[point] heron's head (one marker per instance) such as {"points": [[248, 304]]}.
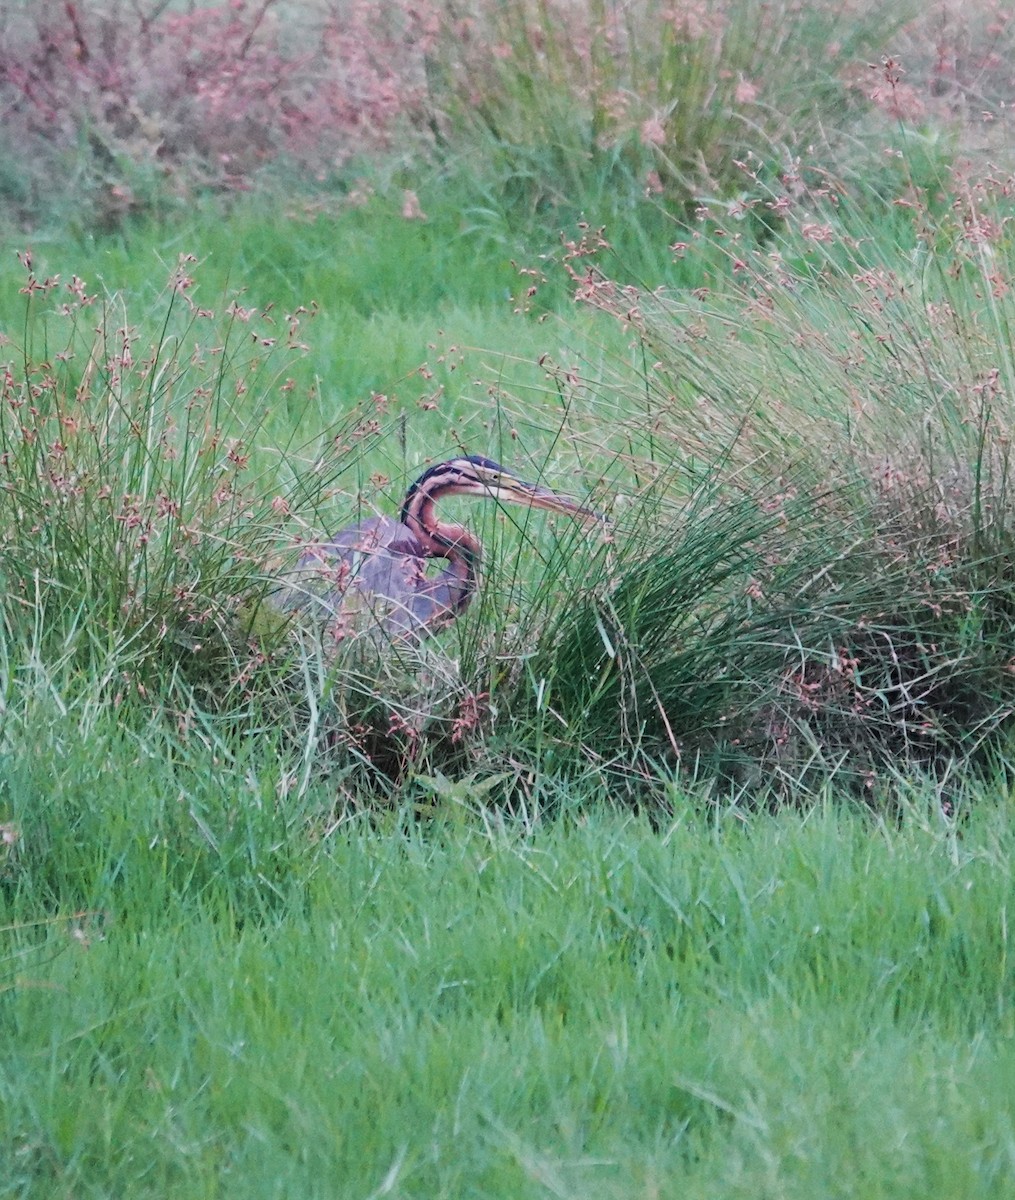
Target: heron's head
{"points": [[478, 476]]}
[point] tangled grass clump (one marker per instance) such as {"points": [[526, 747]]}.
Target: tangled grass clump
{"points": [[838, 594], [142, 509], [808, 573], [152, 493]]}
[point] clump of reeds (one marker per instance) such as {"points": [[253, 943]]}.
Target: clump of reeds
{"points": [[144, 509], [826, 585]]}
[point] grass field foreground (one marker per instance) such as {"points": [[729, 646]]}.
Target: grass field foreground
{"points": [[798, 1006]]}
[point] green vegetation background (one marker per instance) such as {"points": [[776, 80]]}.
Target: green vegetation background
{"points": [[681, 866]]}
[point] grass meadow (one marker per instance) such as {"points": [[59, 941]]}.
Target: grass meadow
{"points": [[679, 865]]}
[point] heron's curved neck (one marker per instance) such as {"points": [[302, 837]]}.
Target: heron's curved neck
{"points": [[444, 540]]}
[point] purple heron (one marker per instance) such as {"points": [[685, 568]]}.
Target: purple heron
{"points": [[379, 566]]}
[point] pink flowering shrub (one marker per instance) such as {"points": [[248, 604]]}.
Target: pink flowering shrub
{"points": [[203, 96]]}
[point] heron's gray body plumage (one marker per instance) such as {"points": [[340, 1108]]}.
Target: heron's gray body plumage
{"points": [[377, 573]]}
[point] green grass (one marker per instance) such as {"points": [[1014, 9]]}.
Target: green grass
{"points": [[665, 872], [793, 1006], [394, 297]]}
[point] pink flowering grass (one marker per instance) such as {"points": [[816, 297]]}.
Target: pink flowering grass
{"points": [[813, 575], [662, 99], [120, 108], [143, 509]]}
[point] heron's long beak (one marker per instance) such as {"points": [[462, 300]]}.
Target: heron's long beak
{"points": [[515, 491]]}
